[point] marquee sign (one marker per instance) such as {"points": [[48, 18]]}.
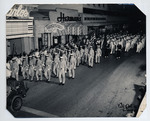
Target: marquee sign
{"points": [[18, 12], [52, 28]]}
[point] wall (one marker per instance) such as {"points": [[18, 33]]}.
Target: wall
{"points": [[28, 44], [39, 26], [90, 18], [78, 7], [67, 12], [17, 44], [96, 6]]}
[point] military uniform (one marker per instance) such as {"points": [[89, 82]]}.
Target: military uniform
{"points": [[81, 54], [25, 69], [78, 57], [112, 46], [65, 60], [91, 57], [15, 69], [85, 54], [48, 67], [72, 67], [128, 45], [39, 67], [8, 70], [74, 56], [62, 65], [98, 55], [55, 66], [43, 58], [34, 60], [31, 67]]}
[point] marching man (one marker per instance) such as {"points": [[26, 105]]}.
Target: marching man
{"points": [[48, 67], [15, 69], [62, 66], [72, 67], [55, 67], [77, 57], [91, 56], [112, 46], [98, 54], [31, 68], [82, 54], [65, 60], [86, 54], [127, 47], [39, 66], [25, 69]]}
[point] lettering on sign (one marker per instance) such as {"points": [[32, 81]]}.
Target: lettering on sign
{"points": [[63, 18], [19, 12]]}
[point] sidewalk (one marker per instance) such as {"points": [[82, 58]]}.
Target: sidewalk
{"points": [[142, 107]]}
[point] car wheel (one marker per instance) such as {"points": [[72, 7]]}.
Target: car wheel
{"points": [[16, 103]]}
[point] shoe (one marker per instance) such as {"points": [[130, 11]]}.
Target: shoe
{"points": [[60, 83], [63, 84]]}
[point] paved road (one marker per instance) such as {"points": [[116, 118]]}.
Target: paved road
{"points": [[95, 92]]}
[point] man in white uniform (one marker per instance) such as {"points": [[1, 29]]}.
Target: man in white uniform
{"points": [[98, 55], [62, 66], [91, 56]]}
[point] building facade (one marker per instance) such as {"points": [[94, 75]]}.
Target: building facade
{"points": [[49, 25], [19, 31], [57, 27]]}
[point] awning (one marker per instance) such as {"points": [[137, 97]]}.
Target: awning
{"points": [[66, 29]]}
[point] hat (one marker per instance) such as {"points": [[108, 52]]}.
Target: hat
{"points": [[23, 57], [30, 56], [46, 55], [61, 57], [37, 56], [14, 58]]}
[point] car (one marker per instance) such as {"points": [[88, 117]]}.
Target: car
{"points": [[16, 91]]}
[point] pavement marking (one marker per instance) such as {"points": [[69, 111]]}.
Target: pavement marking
{"points": [[37, 112]]}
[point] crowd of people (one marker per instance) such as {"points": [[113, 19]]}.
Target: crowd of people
{"points": [[66, 58]]}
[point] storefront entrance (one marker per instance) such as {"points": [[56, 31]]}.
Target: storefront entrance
{"points": [[56, 40]]}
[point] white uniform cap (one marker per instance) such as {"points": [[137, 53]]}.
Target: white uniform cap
{"points": [[14, 58]]}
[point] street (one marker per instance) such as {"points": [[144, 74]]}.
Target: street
{"points": [[95, 92]]}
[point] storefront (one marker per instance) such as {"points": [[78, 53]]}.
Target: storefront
{"points": [[19, 31], [63, 26]]}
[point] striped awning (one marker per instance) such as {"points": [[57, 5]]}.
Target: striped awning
{"points": [[68, 29]]}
